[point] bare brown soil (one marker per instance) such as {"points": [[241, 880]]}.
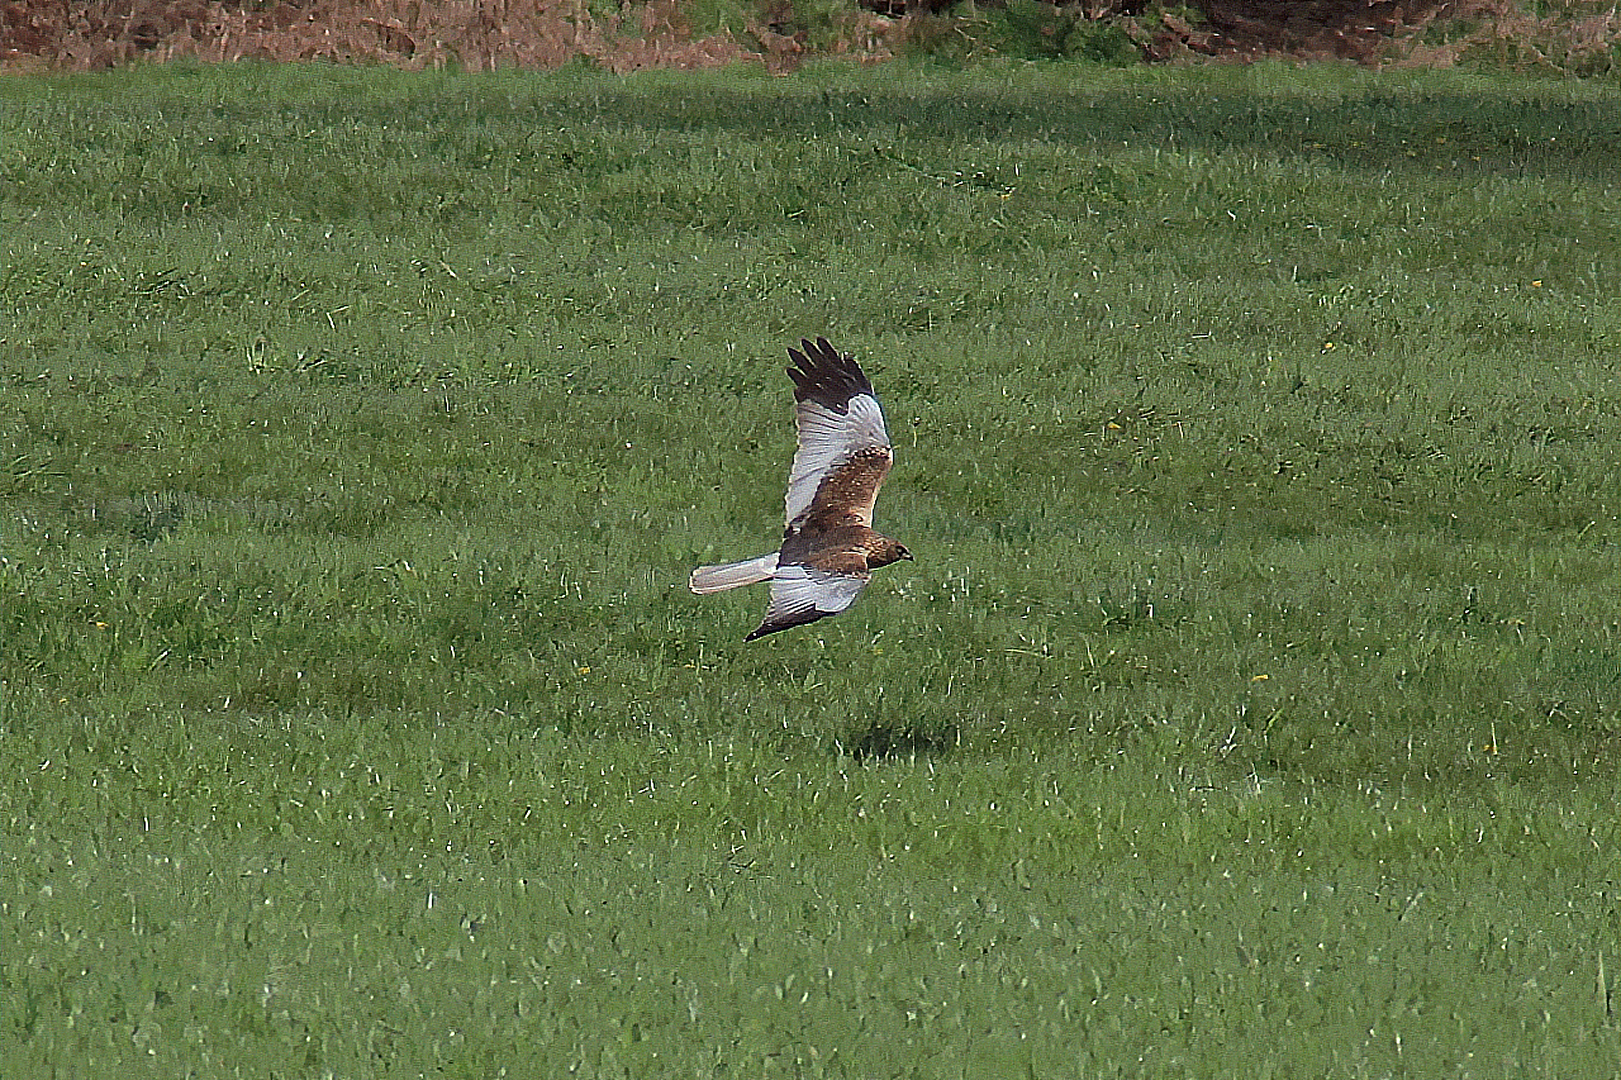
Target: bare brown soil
{"points": [[481, 35], [1569, 37], [476, 35]]}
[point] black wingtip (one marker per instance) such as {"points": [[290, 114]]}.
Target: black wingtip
{"points": [[767, 628], [824, 375], [777, 627]]}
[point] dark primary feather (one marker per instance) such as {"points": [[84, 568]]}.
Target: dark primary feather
{"points": [[824, 376], [776, 623]]}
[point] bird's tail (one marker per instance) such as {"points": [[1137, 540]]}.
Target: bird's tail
{"points": [[708, 579]]}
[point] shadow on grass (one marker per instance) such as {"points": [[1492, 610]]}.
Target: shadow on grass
{"points": [[1365, 129], [898, 742]]}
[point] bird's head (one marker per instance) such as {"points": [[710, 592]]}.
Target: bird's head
{"points": [[886, 551]]}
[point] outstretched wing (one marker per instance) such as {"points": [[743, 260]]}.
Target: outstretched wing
{"points": [[844, 453], [802, 594]]}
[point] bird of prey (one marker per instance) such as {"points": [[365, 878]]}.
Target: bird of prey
{"points": [[829, 548]]}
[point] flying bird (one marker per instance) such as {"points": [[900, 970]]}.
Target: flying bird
{"points": [[829, 548]]}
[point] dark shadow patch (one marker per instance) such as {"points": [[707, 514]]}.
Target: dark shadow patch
{"points": [[890, 742], [155, 517]]}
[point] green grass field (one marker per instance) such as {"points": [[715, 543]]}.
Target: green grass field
{"points": [[1253, 707]]}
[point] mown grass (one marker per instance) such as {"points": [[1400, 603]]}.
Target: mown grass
{"points": [[1251, 708]]}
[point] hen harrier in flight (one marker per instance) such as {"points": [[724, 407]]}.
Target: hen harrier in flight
{"points": [[829, 547]]}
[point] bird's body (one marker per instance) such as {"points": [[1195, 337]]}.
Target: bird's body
{"points": [[829, 547]]}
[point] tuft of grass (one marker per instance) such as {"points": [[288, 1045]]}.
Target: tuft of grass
{"points": [[1252, 705]]}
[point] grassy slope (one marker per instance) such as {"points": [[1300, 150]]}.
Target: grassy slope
{"points": [[1256, 435]]}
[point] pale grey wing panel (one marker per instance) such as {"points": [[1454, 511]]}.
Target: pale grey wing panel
{"points": [[828, 439], [800, 594]]}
